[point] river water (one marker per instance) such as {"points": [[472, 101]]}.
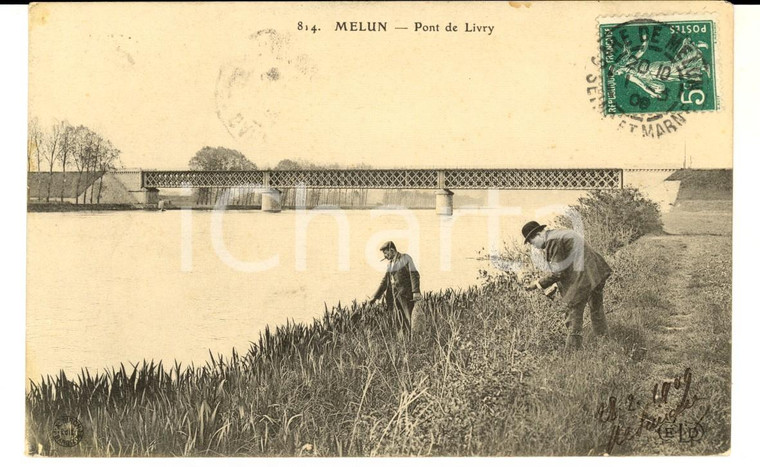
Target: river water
{"points": [[110, 287]]}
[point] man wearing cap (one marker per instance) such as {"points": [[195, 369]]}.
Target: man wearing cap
{"points": [[400, 284], [579, 272]]}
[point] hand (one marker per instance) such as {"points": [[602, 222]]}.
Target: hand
{"points": [[534, 285], [416, 297]]}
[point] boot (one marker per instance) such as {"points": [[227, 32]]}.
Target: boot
{"points": [[599, 324], [573, 343]]}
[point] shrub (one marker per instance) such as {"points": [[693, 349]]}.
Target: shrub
{"points": [[608, 220], [612, 219]]}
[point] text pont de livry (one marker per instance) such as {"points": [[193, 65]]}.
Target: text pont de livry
{"points": [[382, 26]]}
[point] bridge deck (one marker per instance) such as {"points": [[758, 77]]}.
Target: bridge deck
{"points": [[472, 179]]}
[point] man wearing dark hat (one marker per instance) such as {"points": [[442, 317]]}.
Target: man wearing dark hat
{"points": [[400, 285], [579, 272]]}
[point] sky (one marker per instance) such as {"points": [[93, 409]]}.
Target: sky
{"points": [[163, 80]]}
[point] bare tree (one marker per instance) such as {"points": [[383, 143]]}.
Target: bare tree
{"points": [[33, 143], [64, 144], [96, 142], [81, 154], [34, 150], [106, 161], [67, 146], [52, 144]]}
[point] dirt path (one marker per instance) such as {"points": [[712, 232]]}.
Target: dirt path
{"points": [[694, 340]]}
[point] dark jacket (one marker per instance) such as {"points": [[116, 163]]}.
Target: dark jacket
{"points": [[575, 266], [401, 279]]}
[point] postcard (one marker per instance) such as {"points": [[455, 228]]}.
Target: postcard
{"points": [[377, 229]]}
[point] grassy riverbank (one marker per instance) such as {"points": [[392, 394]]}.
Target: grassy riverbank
{"points": [[489, 379]]}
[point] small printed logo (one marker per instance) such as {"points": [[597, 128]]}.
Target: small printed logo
{"points": [[67, 431], [682, 432]]}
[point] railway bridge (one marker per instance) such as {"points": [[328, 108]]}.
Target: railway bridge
{"points": [[269, 182]]}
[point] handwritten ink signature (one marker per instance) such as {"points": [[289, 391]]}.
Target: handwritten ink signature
{"points": [[631, 418]]}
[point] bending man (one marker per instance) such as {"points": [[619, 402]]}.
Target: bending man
{"points": [[579, 272]]}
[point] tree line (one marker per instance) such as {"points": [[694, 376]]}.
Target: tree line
{"points": [[70, 149], [221, 158]]}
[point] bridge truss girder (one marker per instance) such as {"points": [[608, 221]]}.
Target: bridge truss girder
{"points": [[462, 179]]}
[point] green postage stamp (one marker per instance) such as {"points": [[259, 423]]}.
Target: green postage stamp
{"points": [[651, 66]]}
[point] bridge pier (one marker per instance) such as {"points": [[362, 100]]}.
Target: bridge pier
{"points": [[150, 196], [270, 200], [444, 202]]}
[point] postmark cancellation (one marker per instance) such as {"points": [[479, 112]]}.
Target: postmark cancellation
{"points": [[67, 431]]}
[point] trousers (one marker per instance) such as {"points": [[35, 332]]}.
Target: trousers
{"points": [[574, 318], [403, 312]]}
